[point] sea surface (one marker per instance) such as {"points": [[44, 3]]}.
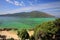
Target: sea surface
{"points": [[17, 22]]}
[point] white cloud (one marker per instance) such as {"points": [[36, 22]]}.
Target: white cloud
{"points": [[22, 3], [17, 3], [41, 6], [9, 1]]}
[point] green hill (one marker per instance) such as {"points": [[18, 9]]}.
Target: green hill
{"points": [[33, 14]]}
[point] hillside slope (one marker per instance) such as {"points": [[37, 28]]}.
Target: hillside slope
{"points": [[33, 14]]}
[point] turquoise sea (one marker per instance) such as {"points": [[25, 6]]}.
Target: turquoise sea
{"points": [[17, 22]]}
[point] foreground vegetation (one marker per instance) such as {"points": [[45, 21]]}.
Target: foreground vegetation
{"points": [[45, 31]]}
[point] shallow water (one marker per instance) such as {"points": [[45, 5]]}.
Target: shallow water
{"points": [[17, 22]]}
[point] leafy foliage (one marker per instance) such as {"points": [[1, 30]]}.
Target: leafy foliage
{"points": [[32, 38], [11, 39], [57, 22], [47, 29], [23, 34]]}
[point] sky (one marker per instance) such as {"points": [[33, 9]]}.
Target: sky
{"points": [[14, 6]]}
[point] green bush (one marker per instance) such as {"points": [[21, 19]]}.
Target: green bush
{"points": [[10, 39], [46, 29], [57, 22], [23, 34], [32, 38]]}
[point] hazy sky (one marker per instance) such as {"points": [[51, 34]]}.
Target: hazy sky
{"points": [[14, 6]]}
